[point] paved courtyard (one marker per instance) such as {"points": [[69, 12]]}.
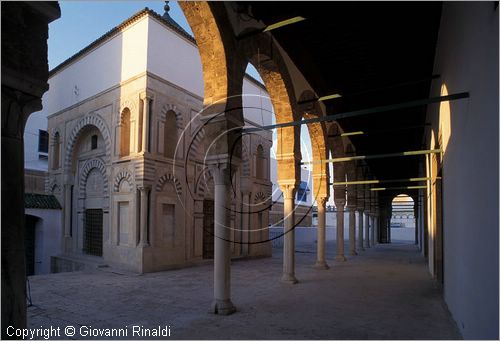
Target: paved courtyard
{"points": [[384, 293]]}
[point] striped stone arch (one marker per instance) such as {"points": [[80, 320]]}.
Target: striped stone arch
{"points": [[52, 186], [245, 160], [89, 166], [169, 178], [123, 175], [178, 115], [196, 150], [89, 120], [204, 179], [131, 105]]}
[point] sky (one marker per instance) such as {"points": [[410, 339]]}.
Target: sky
{"points": [[82, 22]]}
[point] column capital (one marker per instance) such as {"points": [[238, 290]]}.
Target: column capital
{"points": [[322, 201], [146, 94], [360, 209], [144, 188], [339, 203], [288, 189]]}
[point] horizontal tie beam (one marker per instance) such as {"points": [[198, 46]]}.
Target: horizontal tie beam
{"points": [[394, 188], [376, 156], [369, 111], [370, 182]]}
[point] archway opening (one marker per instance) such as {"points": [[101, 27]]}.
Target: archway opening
{"points": [[402, 219]]}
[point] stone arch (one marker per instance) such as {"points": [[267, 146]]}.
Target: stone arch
{"points": [[245, 159], [123, 175], [319, 146], [179, 119], [262, 52], [203, 187], [87, 168], [126, 104], [197, 146], [222, 68], [53, 186], [89, 120], [166, 178]]}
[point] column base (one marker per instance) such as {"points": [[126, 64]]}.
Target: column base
{"points": [[289, 278], [353, 253], [321, 266], [340, 258], [223, 307], [143, 245]]}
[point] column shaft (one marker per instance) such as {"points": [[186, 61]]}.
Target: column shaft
{"points": [[360, 231], [144, 216], [145, 125], [372, 231], [366, 242], [289, 237], [222, 251], [321, 245], [340, 234], [352, 232], [245, 223]]}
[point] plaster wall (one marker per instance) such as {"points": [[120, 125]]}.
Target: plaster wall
{"points": [[117, 59], [467, 130], [48, 236], [37, 121]]}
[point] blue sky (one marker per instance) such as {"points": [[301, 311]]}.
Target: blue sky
{"points": [[82, 22]]}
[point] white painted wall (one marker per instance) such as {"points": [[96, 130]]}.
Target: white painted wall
{"points": [[467, 60], [116, 60], [174, 58], [48, 235], [37, 121]]}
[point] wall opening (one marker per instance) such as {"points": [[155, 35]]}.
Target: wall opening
{"points": [[402, 220]]}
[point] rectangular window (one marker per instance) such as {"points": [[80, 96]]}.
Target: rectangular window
{"points": [[93, 142], [43, 141]]}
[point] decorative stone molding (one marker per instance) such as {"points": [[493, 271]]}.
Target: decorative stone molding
{"points": [[89, 120], [179, 118], [87, 167], [123, 175], [166, 178]]}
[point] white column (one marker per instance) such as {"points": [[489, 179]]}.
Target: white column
{"points": [[339, 204], [366, 242], [144, 216], [372, 230], [352, 231], [360, 230], [321, 247], [222, 251], [145, 123], [289, 231]]}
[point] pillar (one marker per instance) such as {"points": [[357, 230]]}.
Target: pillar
{"points": [[339, 204], [352, 230], [24, 81], [372, 230], [222, 247], [245, 223], [289, 231], [144, 190], [145, 122], [321, 245], [360, 229], [366, 242]]}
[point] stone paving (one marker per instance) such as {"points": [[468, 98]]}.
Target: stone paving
{"points": [[383, 293]]}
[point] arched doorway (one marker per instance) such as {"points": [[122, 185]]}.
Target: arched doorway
{"points": [[402, 223]]}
